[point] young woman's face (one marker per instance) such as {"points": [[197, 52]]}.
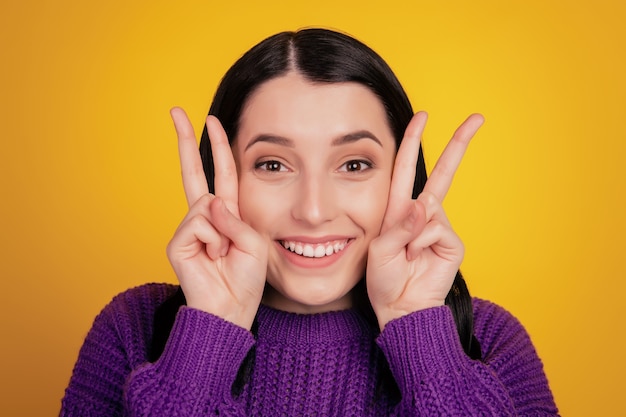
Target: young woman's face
{"points": [[314, 164]]}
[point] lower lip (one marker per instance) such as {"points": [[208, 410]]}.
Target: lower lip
{"points": [[305, 262]]}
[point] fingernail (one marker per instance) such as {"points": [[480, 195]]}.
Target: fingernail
{"points": [[219, 202], [411, 218], [223, 207]]}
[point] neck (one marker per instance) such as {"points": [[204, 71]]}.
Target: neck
{"points": [[274, 299]]}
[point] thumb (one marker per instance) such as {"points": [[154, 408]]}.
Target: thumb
{"points": [[236, 231], [396, 239]]}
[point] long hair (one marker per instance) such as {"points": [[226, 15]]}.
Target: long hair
{"points": [[325, 56]]}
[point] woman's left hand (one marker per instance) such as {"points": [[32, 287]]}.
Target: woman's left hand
{"points": [[412, 264]]}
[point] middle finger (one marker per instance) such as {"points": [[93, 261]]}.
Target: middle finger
{"points": [[441, 177], [226, 183]]}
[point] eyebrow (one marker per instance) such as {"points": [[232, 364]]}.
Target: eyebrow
{"points": [[278, 140], [342, 140], [355, 136]]}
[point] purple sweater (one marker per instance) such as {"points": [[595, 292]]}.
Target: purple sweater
{"points": [[304, 365]]}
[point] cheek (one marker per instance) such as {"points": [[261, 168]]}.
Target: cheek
{"points": [[368, 205], [258, 207], [267, 208]]}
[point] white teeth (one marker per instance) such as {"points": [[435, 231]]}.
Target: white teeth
{"points": [[320, 251], [315, 251]]}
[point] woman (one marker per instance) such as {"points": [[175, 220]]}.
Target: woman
{"points": [[318, 271]]}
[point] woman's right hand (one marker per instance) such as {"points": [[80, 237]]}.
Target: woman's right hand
{"points": [[220, 261]]}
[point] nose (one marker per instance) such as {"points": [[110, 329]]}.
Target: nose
{"points": [[315, 201]]}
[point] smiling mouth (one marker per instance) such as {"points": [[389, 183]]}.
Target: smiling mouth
{"points": [[316, 250]]}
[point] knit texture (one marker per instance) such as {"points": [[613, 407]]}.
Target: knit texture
{"points": [[325, 364]]}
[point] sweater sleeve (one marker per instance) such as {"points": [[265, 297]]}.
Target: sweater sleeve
{"points": [[196, 371], [116, 342], [436, 377], [193, 376]]}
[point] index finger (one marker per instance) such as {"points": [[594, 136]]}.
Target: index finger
{"points": [[404, 168], [226, 183], [441, 177], [194, 180]]}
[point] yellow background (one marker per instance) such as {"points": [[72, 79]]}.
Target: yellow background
{"points": [[91, 191]]}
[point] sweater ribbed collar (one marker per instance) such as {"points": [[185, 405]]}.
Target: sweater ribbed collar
{"points": [[321, 328]]}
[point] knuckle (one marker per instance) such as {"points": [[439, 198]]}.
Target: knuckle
{"points": [[169, 249], [200, 204], [428, 199], [438, 227], [197, 221], [205, 198], [172, 250], [191, 170]]}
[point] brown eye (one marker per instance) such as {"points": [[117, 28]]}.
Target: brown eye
{"points": [[355, 166], [270, 166]]}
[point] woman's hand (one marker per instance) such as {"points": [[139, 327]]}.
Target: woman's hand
{"points": [[220, 261], [412, 264]]}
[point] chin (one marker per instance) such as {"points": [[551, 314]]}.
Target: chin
{"points": [[307, 299]]}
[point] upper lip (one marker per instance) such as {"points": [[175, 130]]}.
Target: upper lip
{"points": [[314, 240]]}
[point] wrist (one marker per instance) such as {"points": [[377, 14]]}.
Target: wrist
{"points": [[242, 316], [397, 310]]}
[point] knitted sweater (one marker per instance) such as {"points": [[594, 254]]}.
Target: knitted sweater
{"points": [[325, 364]]}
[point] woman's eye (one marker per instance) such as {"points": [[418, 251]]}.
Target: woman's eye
{"points": [[355, 166], [270, 166]]}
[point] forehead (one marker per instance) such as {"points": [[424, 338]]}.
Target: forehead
{"points": [[293, 106]]}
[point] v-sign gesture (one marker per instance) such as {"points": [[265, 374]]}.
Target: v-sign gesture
{"points": [[412, 264], [219, 260]]}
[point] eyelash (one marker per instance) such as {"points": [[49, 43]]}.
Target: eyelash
{"points": [[364, 165], [265, 166]]}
